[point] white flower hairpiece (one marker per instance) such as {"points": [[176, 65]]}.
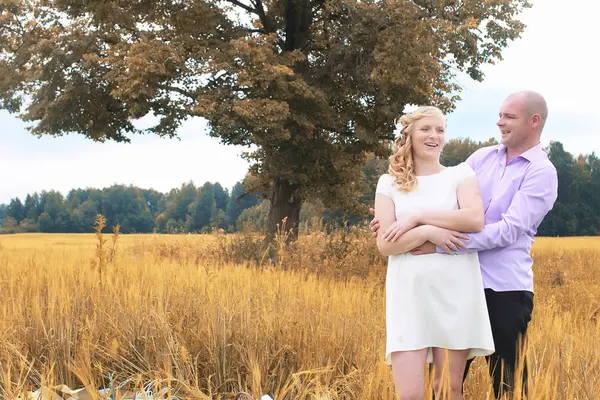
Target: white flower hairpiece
{"points": [[410, 108], [398, 129]]}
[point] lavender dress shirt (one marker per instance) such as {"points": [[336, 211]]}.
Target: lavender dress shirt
{"points": [[516, 197]]}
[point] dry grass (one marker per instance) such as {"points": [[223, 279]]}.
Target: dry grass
{"points": [[194, 315]]}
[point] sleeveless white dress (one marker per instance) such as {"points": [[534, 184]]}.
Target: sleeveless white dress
{"points": [[434, 300]]}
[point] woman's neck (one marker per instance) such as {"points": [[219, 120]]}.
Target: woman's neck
{"points": [[426, 167]]}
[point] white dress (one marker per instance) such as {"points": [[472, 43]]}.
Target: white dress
{"points": [[434, 300]]}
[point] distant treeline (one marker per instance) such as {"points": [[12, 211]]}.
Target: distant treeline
{"points": [[187, 209], [202, 209]]}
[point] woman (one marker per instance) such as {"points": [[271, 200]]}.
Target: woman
{"points": [[435, 304]]}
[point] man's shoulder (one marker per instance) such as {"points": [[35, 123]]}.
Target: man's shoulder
{"points": [[483, 151], [544, 162], [541, 172], [542, 165], [480, 154]]}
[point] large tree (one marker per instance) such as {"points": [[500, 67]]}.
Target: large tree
{"points": [[313, 85]]}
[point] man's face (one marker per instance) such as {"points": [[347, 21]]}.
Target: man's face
{"points": [[514, 122]]}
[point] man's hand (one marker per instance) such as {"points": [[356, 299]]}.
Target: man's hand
{"points": [[450, 241], [425, 248], [374, 225]]}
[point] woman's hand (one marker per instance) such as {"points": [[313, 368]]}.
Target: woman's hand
{"points": [[400, 227], [447, 240]]}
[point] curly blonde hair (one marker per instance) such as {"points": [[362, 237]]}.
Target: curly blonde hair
{"points": [[402, 165]]}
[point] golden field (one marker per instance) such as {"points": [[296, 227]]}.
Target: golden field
{"points": [[206, 316]]}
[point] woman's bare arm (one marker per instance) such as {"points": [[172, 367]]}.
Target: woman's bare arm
{"points": [[386, 214]]}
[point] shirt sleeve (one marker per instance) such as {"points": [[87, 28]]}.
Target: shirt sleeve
{"points": [[470, 161], [534, 199], [465, 171], [384, 185]]}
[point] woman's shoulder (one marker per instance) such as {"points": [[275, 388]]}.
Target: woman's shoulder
{"points": [[462, 170], [460, 166], [386, 176], [386, 180], [386, 184]]}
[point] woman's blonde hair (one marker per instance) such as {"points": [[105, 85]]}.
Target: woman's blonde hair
{"points": [[402, 165]]}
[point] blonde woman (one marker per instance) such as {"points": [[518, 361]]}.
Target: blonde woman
{"points": [[435, 304]]}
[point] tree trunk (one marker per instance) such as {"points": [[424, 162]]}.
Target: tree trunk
{"points": [[284, 213]]}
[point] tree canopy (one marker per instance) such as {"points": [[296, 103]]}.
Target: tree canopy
{"points": [[313, 85]]}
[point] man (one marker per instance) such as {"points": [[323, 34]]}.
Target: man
{"points": [[518, 186]]}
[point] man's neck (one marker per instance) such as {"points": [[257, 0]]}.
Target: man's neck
{"points": [[517, 151]]}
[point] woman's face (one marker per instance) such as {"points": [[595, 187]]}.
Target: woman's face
{"points": [[428, 137]]}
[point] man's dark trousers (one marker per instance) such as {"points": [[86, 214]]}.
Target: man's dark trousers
{"points": [[510, 313]]}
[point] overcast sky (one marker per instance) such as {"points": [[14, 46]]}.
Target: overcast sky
{"points": [[553, 57]]}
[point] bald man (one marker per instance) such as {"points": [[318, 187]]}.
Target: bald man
{"points": [[518, 186]]}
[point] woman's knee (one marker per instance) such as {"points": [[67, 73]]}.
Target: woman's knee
{"points": [[452, 385], [412, 395], [413, 391], [456, 383]]}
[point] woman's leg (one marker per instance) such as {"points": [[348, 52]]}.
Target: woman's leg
{"points": [[408, 368], [449, 369]]}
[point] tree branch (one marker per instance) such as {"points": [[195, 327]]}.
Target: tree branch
{"points": [[178, 90], [19, 22], [242, 5], [241, 196], [213, 81], [260, 11], [258, 31]]}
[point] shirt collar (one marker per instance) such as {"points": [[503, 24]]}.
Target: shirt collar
{"points": [[533, 154]]}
